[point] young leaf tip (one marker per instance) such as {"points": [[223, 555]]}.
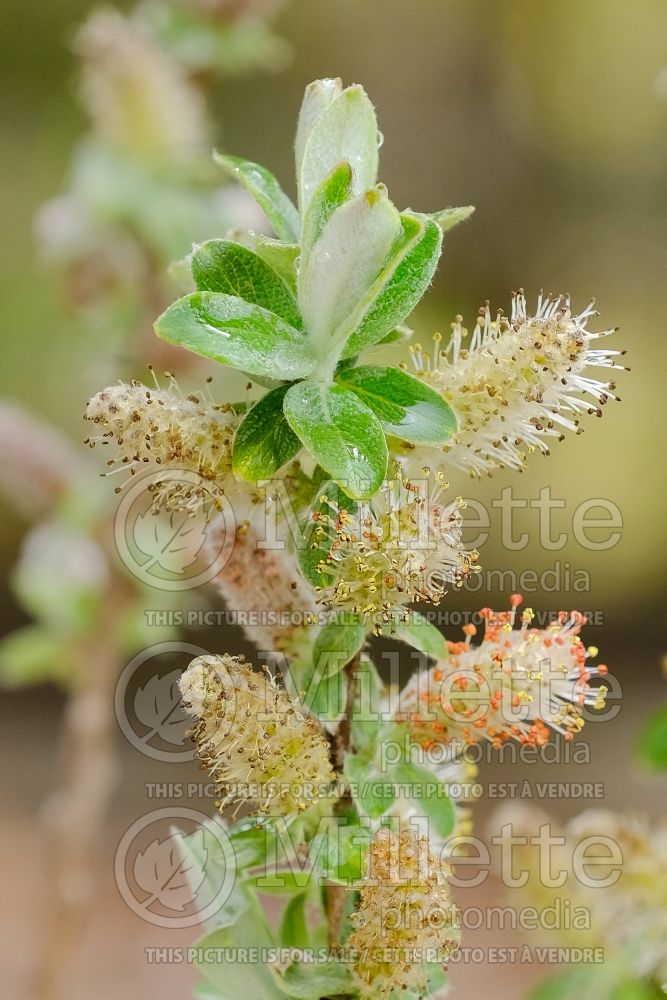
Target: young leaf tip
{"points": [[328, 86], [450, 217]]}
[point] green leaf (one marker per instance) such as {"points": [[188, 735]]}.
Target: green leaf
{"points": [[267, 192], [310, 981], [325, 696], [339, 274], [343, 129], [206, 850], [254, 839], [236, 333], [333, 192], [298, 669], [372, 796], [344, 365], [318, 95], [280, 256], [342, 433], [222, 266], [319, 533], [343, 854], [406, 407], [421, 634], [399, 335], [401, 285], [324, 684], [280, 883], [367, 721], [316, 678], [264, 441], [293, 931], [238, 979], [337, 643], [204, 991], [653, 740], [429, 795], [450, 217]]}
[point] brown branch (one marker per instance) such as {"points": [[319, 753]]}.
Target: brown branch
{"points": [[336, 894], [74, 815]]}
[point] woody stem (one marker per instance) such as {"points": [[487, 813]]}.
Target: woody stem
{"points": [[342, 745]]}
